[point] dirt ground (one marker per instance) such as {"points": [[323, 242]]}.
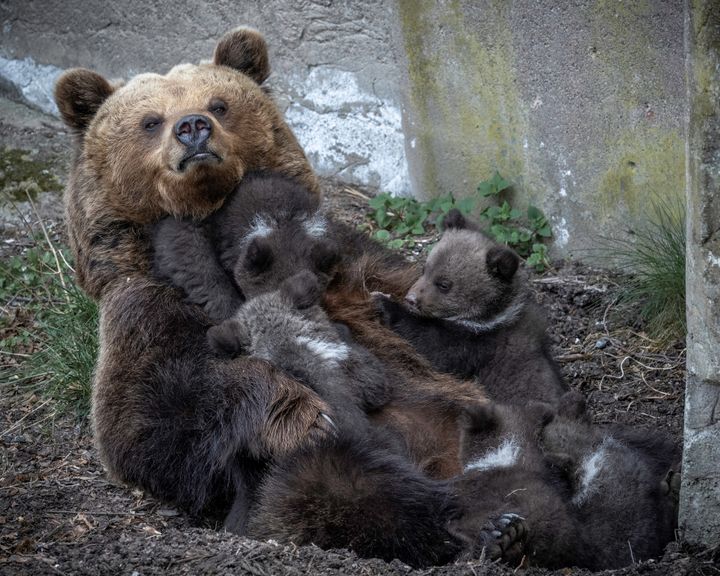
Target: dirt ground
{"points": [[60, 513]]}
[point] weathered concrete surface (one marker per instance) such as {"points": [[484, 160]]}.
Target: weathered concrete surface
{"points": [[580, 103], [700, 494], [334, 64]]}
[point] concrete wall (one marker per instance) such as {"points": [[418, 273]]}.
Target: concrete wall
{"points": [[700, 494], [580, 103]]}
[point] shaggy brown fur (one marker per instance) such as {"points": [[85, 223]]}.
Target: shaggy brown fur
{"points": [[169, 416], [590, 496], [618, 475], [425, 405], [131, 168], [471, 314], [159, 394]]}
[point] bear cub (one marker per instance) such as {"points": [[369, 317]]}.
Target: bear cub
{"points": [[471, 314], [623, 483], [269, 244], [288, 328], [590, 496]]}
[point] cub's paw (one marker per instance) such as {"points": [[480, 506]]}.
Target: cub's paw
{"points": [[227, 339], [670, 485], [503, 538], [384, 306]]}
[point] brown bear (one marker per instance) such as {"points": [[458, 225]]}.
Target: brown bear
{"points": [[208, 259], [168, 415], [471, 314], [176, 144], [501, 457]]}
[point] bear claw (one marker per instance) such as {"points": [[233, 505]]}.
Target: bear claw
{"points": [[504, 538]]}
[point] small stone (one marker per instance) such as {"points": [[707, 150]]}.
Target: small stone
{"points": [[600, 344]]}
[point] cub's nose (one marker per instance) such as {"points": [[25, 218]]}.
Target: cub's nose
{"points": [[193, 130], [411, 298]]}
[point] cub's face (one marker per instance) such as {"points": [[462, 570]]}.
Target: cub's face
{"points": [[270, 255], [176, 143], [466, 276]]}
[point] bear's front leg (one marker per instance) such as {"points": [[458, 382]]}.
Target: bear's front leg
{"points": [[296, 416]]}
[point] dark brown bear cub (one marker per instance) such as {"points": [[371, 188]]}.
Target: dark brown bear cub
{"points": [[622, 484], [505, 472], [471, 314]]}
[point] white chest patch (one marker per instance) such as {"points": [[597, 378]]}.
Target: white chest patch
{"points": [[260, 228], [590, 469], [332, 351], [316, 226], [503, 456]]}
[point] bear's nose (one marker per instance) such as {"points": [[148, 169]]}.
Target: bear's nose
{"points": [[193, 130], [411, 298]]}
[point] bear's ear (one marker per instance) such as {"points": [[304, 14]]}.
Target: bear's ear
{"points": [[572, 405], [502, 262], [244, 49], [454, 220], [79, 93], [325, 256], [482, 418], [541, 413], [259, 256], [303, 290]]}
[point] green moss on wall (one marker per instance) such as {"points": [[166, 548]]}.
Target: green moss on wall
{"points": [[625, 48], [642, 165], [470, 117]]}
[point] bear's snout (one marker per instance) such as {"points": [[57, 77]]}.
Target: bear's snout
{"points": [[193, 130]]}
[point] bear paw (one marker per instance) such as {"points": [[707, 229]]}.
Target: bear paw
{"points": [[670, 485], [384, 306], [504, 538]]}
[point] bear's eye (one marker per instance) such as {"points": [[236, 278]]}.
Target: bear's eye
{"points": [[151, 123], [217, 107], [443, 285]]}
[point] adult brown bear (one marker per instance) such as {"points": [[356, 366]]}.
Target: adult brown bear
{"points": [[204, 432]]}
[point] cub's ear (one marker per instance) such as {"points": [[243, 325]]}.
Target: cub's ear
{"points": [[303, 290], [572, 405], [79, 93], [454, 220], [481, 418], [259, 256], [502, 262], [326, 256], [244, 49], [541, 413]]}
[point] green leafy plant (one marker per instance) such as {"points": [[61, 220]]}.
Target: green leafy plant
{"points": [[653, 256], [399, 219], [525, 233], [61, 334]]}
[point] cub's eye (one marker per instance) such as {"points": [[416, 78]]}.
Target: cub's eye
{"points": [[217, 107], [151, 123], [443, 285]]}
